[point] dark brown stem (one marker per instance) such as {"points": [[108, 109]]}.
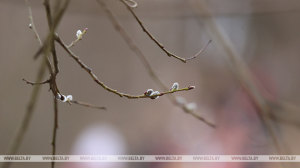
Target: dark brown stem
{"points": [[55, 127]]}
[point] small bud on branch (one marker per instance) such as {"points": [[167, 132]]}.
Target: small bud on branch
{"points": [[175, 86]]}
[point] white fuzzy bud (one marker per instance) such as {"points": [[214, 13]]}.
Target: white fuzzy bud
{"points": [[69, 97], [63, 98], [154, 95], [175, 86], [78, 34], [148, 92], [191, 107], [30, 26], [57, 96], [131, 3], [180, 100]]}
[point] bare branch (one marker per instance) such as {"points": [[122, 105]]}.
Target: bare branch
{"points": [[88, 105], [199, 51], [53, 51], [156, 42], [57, 18], [55, 127], [37, 83], [132, 45], [89, 70], [31, 26]]}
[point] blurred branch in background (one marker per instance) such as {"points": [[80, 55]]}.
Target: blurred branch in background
{"points": [[146, 64], [245, 77], [25, 120]]}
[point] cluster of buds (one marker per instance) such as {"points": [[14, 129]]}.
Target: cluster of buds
{"points": [[187, 107], [153, 94], [79, 33], [64, 98]]}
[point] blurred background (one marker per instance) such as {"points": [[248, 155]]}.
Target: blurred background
{"points": [[264, 33]]}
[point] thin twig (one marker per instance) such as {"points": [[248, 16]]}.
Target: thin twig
{"points": [[37, 83], [89, 71], [31, 26], [57, 18], [78, 38], [55, 127], [88, 105], [143, 59], [158, 43], [199, 51]]}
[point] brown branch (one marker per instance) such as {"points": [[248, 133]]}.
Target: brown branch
{"points": [[37, 83], [51, 22], [53, 51], [78, 38], [55, 127], [31, 26], [50, 36], [89, 71], [158, 43], [88, 105], [199, 51], [144, 60]]}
